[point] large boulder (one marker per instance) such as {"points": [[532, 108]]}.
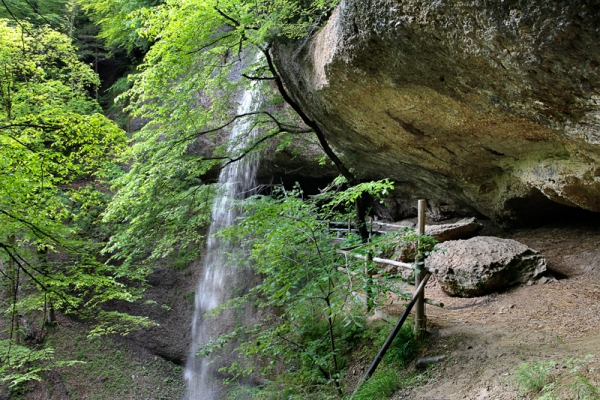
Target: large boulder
{"points": [[485, 264], [493, 105]]}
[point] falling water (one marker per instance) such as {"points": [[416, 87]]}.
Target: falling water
{"points": [[237, 180]]}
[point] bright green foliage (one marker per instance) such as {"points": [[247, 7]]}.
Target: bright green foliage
{"points": [[161, 207], [378, 189], [534, 376], [186, 88], [381, 386], [188, 76], [317, 294], [118, 27], [36, 12], [386, 380], [56, 152]]}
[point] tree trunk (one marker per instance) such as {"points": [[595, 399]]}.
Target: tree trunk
{"points": [[13, 276]]}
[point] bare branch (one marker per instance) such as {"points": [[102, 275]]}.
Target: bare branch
{"points": [[206, 46], [305, 118], [15, 18], [259, 78], [24, 125], [222, 14]]}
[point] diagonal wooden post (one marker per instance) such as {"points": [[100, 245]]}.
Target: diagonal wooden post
{"points": [[420, 318], [419, 294]]}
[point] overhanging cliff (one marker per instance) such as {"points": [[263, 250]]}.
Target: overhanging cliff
{"points": [[493, 105]]}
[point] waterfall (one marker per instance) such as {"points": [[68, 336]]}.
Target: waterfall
{"points": [[218, 281]]}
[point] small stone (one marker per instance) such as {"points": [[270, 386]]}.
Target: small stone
{"points": [[408, 224], [463, 229]]}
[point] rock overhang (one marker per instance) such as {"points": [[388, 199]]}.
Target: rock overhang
{"points": [[494, 105]]}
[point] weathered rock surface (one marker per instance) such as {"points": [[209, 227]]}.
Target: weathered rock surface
{"points": [[463, 229], [493, 105], [484, 264], [172, 290]]}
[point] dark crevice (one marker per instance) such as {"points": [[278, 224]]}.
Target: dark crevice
{"points": [[494, 152], [408, 127]]}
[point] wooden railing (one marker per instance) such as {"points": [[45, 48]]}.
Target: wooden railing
{"points": [[418, 301]]}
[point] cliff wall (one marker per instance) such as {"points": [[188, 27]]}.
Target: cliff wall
{"points": [[492, 105]]}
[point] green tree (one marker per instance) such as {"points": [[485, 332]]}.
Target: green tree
{"points": [[35, 12], [56, 152], [203, 53], [117, 23], [312, 298]]}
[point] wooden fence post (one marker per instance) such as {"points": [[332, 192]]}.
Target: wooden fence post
{"points": [[420, 318]]}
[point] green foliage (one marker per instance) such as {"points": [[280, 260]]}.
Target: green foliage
{"points": [[405, 347], [118, 26], [36, 12], [537, 377], [110, 369], [347, 197], [381, 385], [160, 208], [185, 89], [533, 377], [338, 199], [312, 295], [56, 153], [405, 243], [582, 388], [20, 364]]}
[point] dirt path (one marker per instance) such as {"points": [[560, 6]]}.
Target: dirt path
{"points": [[486, 338]]}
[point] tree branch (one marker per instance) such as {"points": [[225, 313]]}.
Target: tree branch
{"points": [[206, 46], [309, 122], [346, 173], [258, 78], [24, 125], [235, 23], [39, 232]]}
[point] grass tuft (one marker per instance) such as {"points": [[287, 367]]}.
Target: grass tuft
{"points": [[381, 385], [534, 376], [583, 390]]}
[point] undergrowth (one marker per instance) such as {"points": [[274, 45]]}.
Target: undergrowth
{"points": [[112, 370], [386, 380], [545, 381]]}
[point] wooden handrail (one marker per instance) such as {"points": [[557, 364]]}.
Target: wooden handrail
{"points": [[387, 261]]}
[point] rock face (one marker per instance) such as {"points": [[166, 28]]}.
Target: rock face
{"points": [[494, 105], [483, 265], [172, 290]]}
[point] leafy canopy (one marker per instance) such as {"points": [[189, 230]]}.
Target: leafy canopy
{"points": [[185, 90], [56, 152]]}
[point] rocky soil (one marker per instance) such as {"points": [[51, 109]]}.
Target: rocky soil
{"points": [[486, 338]]}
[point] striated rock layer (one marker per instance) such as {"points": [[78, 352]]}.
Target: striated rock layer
{"points": [[493, 105]]}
